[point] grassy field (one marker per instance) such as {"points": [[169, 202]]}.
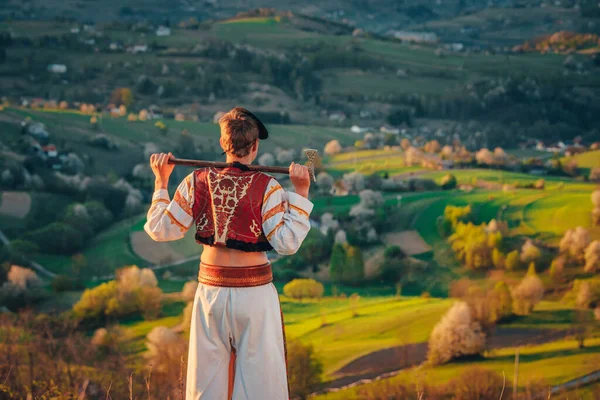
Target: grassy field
{"points": [[469, 176], [553, 363], [339, 337], [586, 161]]}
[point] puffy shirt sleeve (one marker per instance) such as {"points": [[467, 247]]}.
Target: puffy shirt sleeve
{"points": [[170, 219], [285, 218]]}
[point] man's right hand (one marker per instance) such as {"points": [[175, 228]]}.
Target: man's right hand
{"points": [[300, 178], [162, 170]]}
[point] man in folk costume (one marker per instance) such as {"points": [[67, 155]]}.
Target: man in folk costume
{"points": [[237, 343]]}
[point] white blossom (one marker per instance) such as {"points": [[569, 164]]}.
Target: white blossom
{"points": [[456, 335]]}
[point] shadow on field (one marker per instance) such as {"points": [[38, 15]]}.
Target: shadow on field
{"points": [[524, 357], [397, 358]]}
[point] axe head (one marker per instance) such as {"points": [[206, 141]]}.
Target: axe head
{"points": [[311, 155]]}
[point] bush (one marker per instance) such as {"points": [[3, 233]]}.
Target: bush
{"points": [[165, 350], [512, 261], [62, 283], [188, 293], [135, 290], [457, 214], [304, 369], [112, 198], [455, 336], [592, 257], [474, 244], [149, 302], [585, 293], [100, 216], [529, 252], [304, 289], [498, 259], [94, 302], [332, 147], [527, 294], [57, 238], [337, 262], [477, 383], [574, 242], [502, 302], [449, 182], [393, 252]]}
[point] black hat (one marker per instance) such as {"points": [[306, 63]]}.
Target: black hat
{"points": [[263, 133]]}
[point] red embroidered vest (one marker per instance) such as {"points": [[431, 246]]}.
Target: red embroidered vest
{"points": [[227, 208]]}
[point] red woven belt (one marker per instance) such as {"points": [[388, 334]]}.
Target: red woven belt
{"points": [[214, 275]]}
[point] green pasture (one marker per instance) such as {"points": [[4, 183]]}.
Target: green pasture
{"points": [[552, 215], [552, 363], [263, 32], [340, 338], [470, 176], [348, 82], [587, 160]]}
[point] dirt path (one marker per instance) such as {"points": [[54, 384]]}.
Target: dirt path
{"points": [[15, 204], [390, 361]]}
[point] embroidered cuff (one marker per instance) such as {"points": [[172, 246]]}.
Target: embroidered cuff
{"points": [[160, 194], [300, 204]]}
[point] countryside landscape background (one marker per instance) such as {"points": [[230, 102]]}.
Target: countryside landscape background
{"points": [[455, 248]]}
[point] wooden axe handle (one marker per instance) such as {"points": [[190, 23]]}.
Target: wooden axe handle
{"points": [[199, 163]]}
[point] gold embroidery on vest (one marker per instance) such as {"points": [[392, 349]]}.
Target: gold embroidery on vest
{"points": [[201, 224], [255, 228], [226, 192]]}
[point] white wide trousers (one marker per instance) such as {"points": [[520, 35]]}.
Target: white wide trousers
{"points": [[247, 320]]}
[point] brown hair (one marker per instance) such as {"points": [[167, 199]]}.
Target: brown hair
{"points": [[239, 132]]}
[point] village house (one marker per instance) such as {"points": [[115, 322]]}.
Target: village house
{"points": [[337, 116], [358, 129], [339, 189], [138, 48], [154, 112], [417, 37], [389, 129], [57, 68], [163, 31]]}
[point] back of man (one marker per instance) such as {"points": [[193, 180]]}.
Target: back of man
{"points": [[237, 344]]}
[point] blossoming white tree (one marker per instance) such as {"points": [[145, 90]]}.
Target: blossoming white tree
{"points": [[456, 335]]}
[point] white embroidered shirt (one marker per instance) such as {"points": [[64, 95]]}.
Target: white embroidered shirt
{"points": [[285, 215]]}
